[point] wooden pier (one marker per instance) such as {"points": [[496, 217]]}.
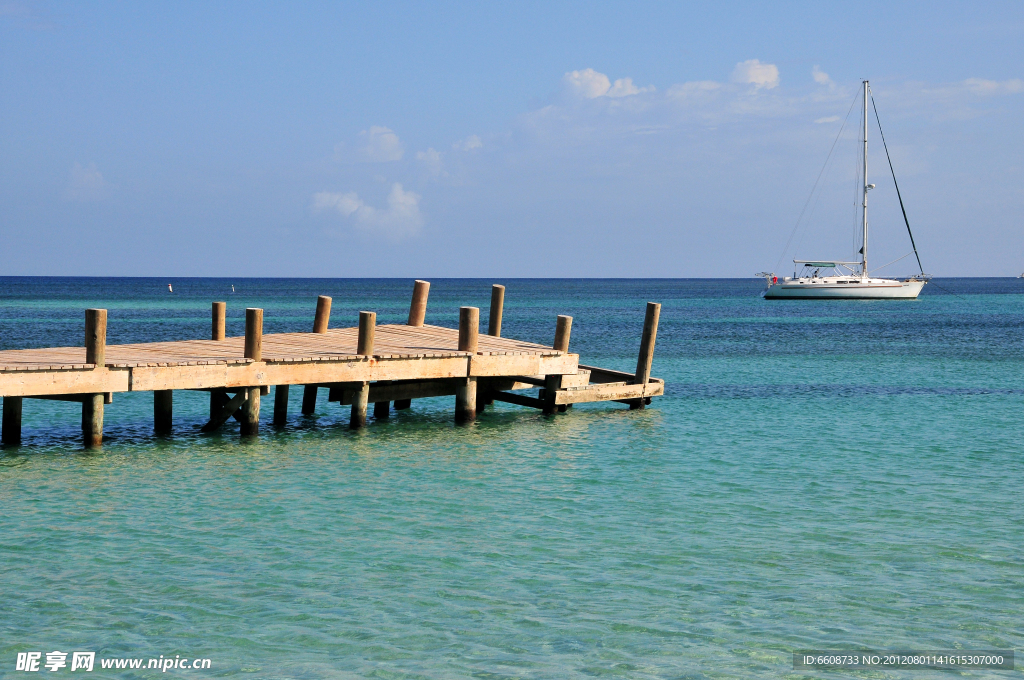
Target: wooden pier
{"points": [[368, 364]]}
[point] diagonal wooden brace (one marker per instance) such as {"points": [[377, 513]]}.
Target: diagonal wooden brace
{"points": [[230, 409]]}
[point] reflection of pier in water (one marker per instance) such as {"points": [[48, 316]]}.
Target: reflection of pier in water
{"points": [[369, 364]]}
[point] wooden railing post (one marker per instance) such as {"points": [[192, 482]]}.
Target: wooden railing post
{"points": [[95, 353], [418, 308], [465, 392], [364, 347], [643, 364], [320, 322], [250, 424], [494, 316]]}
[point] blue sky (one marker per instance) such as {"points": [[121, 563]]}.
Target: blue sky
{"points": [[502, 140]]}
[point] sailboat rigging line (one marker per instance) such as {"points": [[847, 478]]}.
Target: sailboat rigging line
{"points": [[806, 203], [875, 269], [898, 195]]}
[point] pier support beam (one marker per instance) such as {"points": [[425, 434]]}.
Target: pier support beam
{"points": [[163, 411], [381, 410], [494, 316], [253, 350], [320, 323], [402, 404], [280, 405], [10, 431], [465, 393], [364, 347], [643, 363]]}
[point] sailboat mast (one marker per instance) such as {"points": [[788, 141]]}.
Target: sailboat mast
{"points": [[864, 250]]}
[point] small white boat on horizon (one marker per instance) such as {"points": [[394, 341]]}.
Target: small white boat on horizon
{"points": [[848, 280]]}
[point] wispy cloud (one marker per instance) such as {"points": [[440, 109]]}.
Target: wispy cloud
{"points": [[399, 220], [86, 184], [468, 144], [433, 161], [379, 144], [820, 77]]}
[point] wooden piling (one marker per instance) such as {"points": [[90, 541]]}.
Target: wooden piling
{"points": [[367, 328], [254, 334], [250, 424], [320, 323], [418, 308], [323, 314], [494, 316], [402, 404], [95, 353], [219, 315], [10, 430], [563, 327], [465, 391], [95, 336], [92, 420], [364, 347], [280, 405], [218, 398], [163, 411], [643, 364], [381, 410]]}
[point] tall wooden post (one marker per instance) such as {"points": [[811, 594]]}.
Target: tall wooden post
{"points": [[323, 314], [218, 398], [418, 308], [10, 431], [253, 350], [381, 410], [364, 347], [163, 410], [643, 363], [219, 314], [563, 328], [465, 392], [320, 322], [494, 316], [95, 353], [280, 405]]}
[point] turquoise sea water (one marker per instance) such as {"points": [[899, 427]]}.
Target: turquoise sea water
{"points": [[818, 475]]}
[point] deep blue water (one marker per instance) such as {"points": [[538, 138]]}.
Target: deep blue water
{"points": [[818, 475]]}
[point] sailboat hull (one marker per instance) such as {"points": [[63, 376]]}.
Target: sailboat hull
{"points": [[876, 289]]}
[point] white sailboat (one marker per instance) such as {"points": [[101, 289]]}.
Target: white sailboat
{"points": [[836, 279]]}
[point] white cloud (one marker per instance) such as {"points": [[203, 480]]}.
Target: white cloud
{"points": [[827, 119], [821, 77], [753, 72], [590, 84], [984, 87], [401, 219], [468, 144], [379, 145], [432, 160], [587, 83], [624, 87], [86, 184]]}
